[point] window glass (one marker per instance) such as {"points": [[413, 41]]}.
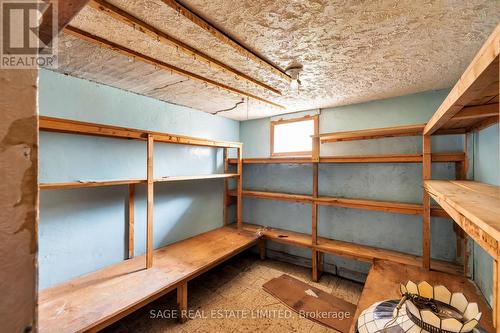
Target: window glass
{"points": [[293, 136]]}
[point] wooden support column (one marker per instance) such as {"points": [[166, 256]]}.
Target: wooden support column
{"points": [[317, 257], [314, 217], [131, 204], [226, 186], [314, 262], [150, 203], [463, 176], [262, 248], [321, 264], [182, 302], [239, 180], [496, 305], [315, 140], [426, 201]]}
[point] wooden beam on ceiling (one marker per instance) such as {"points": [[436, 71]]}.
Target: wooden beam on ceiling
{"points": [[132, 21], [160, 64], [66, 10], [223, 37]]}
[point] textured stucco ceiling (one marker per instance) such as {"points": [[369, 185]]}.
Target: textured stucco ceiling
{"points": [[351, 51]]}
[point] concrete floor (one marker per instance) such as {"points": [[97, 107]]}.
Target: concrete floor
{"points": [[230, 297]]}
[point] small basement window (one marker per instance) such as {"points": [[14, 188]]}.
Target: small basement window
{"points": [[292, 137]]}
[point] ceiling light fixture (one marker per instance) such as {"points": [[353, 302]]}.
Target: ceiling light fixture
{"points": [[294, 72]]}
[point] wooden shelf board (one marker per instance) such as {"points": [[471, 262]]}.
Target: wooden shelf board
{"points": [[474, 206], [478, 85], [385, 276], [98, 299], [466, 125], [81, 184], [59, 125], [274, 160], [373, 205], [345, 249], [382, 158], [196, 177], [301, 198], [375, 133]]}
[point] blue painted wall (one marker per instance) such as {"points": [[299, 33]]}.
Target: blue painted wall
{"points": [[397, 182], [82, 230], [486, 169]]}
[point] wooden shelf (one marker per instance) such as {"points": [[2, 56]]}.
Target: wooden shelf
{"points": [[345, 249], [301, 198], [97, 183], [387, 158], [385, 276], [81, 184], [473, 102], [98, 299], [59, 125], [474, 206], [196, 177], [375, 133], [373, 205], [274, 160], [394, 158]]}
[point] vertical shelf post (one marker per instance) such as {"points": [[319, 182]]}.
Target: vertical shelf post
{"points": [[131, 204], [226, 185], [496, 305], [262, 248], [314, 227], [463, 176], [239, 202], [426, 202], [317, 257], [150, 202], [182, 302]]}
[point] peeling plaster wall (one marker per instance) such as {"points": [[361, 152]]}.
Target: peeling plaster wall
{"points": [[486, 169], [18, 199], [82, 230], [392, 181]]}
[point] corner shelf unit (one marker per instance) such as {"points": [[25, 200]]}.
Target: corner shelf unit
{"points": [[95, 300], [359, 252], [470, 106], [50, 124]]}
